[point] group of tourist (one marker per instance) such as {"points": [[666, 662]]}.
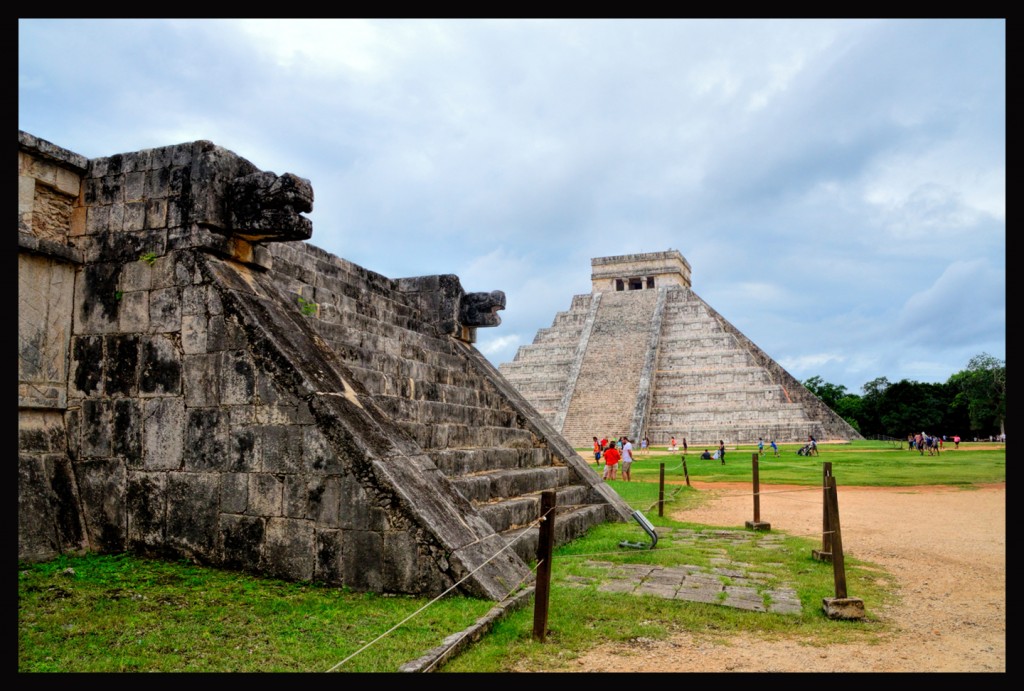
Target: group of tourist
{"points": [[933, 444], [612, 453]]}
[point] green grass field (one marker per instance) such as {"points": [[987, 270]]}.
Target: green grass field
{"points": [[858, 463]]}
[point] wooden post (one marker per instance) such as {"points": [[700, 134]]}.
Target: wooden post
{"points": [[661, 492], [841, 606], [832, 509], [545, 546], [825, 553], [757, 524], [685, 473], [757, 492]]}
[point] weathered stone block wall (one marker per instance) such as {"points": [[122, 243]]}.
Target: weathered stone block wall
{"points": [[49, 182], [193, 407]]}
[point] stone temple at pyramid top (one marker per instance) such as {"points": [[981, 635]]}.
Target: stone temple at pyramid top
{"points": [[639, 271]]}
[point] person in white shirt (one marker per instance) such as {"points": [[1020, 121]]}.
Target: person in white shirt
{"points": [[627, 458]]}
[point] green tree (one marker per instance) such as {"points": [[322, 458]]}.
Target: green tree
{"points": [[911, 407], [835, 396], [849, 407], [983, 387], [873, 406], [828, 393]]}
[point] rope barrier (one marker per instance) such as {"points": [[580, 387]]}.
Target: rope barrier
{"points": [[446, 592], [466, 631]]}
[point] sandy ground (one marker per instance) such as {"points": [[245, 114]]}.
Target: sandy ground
{"points": [[945, 546]]}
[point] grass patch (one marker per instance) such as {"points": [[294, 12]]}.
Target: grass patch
{"points": [[858, 463], [126, 614]]}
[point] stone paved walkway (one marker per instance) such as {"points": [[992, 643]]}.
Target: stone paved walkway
{"points": [[724, 582]]}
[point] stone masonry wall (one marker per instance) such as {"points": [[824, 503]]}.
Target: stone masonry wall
{"points": [[177, 398]]}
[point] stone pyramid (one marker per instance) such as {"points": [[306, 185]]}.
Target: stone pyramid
{"points": [[685, 371]]}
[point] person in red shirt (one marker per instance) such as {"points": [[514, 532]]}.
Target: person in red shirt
{"points": [[611, 461]]}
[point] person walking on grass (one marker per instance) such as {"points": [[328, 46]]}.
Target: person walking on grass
{"points": [[597, 452], [721, 450], [760, 447], [775, 448]]}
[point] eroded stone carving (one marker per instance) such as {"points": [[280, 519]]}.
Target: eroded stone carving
{"points": [[481, 309], [265, 206]]}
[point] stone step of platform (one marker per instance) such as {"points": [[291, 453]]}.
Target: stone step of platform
{"points": [[735, 434], [500, 484], [516, 512], [458, 462], [571, 522]]}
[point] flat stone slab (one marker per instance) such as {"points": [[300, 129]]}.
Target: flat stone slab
{"points": [[747, 588]]}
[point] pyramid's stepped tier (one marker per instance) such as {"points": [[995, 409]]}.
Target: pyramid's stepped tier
{"points": [[711, 384], [486, 448], [605, 395], [654, 359], [541, 371]]}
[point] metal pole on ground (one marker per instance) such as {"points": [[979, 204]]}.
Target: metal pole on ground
{"points": [[757, 524], [825, 553], [840, 606], [545, 547]]}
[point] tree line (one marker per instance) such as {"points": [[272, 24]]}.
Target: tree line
{"points": [[971, 403]]}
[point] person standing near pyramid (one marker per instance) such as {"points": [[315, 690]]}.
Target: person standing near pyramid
{"points": [[611, 459], [721, 450], [627, 458]]}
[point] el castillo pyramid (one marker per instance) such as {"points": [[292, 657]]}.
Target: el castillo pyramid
{"points": [[685, 371]]}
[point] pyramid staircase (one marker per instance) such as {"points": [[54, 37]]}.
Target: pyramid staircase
{"points": [[497, 452]]}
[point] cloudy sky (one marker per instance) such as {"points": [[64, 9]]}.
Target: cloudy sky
{"points": [[838, 186]]}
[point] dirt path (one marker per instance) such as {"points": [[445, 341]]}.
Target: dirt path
{"points": [[945, 546]]}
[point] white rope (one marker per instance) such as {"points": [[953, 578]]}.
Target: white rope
{"points": [[453, 587]]}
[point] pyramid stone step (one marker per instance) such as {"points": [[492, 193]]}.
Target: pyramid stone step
{"points": [[570, 523], [517, 512], [500, 484]]}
